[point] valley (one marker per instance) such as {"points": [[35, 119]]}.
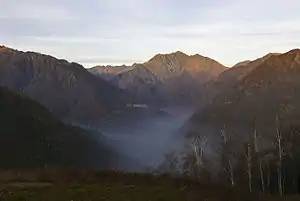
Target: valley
{"points": [[145, 135], [149, 100], [186, 116]]}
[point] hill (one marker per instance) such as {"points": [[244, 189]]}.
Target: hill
{"points": [[66, 89], [32, 137]]}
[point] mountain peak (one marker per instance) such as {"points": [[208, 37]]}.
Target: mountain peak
{"points": [[177, 54], [5, 49], [294, 51]]}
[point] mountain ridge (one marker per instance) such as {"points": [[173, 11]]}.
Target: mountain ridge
{"points": [[269, 90], [171, 77], [67, 89], [227, 79]]}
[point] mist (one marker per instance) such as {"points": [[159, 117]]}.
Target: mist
{"points": [[142, 137]]}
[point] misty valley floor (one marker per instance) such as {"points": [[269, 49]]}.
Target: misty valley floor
{"points": [[144, 136]]}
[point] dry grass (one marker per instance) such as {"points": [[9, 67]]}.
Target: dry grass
{"points": [[65, 185]]}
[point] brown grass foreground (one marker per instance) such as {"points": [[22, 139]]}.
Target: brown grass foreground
{"points": [[54, 184]]}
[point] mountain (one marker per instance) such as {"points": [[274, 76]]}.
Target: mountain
{"points": [[227, 79], [140, 82], [169, 78], [242, 63], [240, 70], [271, 89], [108, 72], [167, 66], [66, 89], [32, 137]]}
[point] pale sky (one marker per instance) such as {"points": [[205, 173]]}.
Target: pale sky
{"points": [[114, 32]]}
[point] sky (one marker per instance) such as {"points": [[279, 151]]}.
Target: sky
{"points": [[114, 32]]}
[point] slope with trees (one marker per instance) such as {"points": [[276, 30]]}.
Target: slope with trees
{"points": [[30, 136], [261, 114]]}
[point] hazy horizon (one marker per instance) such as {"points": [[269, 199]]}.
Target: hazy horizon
{"points": [[98, 32]]}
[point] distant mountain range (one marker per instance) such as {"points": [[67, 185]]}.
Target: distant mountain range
{"points": [[238, 94], [165, 79], [43, 90], [66, 89], [72, 93]]}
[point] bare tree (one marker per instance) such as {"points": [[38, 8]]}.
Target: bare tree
{"points": [[190, 162], [170, 165], [249, 166], [194, 162], [257, 151], [227, 152], [280, 150], [198, 145], [269, 177]]}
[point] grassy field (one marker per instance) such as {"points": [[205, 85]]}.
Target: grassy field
{"points": [[60, 185]]}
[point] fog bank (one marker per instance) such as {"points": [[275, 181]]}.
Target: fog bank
{"points": [[144, 136]]}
